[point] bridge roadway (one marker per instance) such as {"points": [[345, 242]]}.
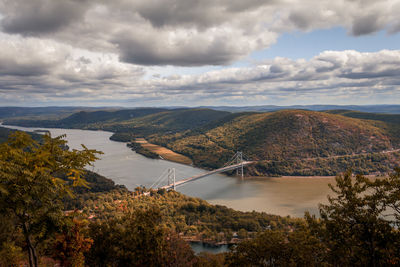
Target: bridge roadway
{"points": [[196, 177]]}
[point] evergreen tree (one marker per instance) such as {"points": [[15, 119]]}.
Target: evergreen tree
{"points": [[354, 225]]}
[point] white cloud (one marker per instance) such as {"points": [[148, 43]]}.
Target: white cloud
{"points": [[100, 77], [90, 51]]}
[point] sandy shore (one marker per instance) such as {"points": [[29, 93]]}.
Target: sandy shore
{"points": [[163, 152]]}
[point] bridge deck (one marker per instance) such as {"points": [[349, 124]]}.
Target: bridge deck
{"points": [[193, 178]]}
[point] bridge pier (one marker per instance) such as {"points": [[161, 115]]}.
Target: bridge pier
{"points": [[239, 160], [172, 176]]}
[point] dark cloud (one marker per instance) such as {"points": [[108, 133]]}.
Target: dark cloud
{"points": [[366, 25], [302, 20], [18, 70], [35, 17], [201, 14], [371, 75], [276, 69], [151, 50], [326, 65]]}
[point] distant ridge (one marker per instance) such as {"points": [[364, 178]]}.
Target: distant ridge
{"points": [[64, 111], [51, 111], [393, 109]]}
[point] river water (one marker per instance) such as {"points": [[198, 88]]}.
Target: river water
{"points": [[281, 196]]}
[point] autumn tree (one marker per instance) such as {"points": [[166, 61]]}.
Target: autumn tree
{"points": [[31, 189], [137, 239], [279, 248], [71, 244]]}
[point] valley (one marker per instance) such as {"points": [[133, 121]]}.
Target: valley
{"points": [[283, 142]]}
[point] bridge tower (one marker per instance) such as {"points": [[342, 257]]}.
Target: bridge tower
{"points": [[239, 160], [171, 176]]}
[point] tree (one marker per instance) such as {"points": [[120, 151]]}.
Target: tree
{"points": [[356, 228], [137, 239], [267, 249], [72, 243], [207, 259], [388, 189], [279, 248], [353, 224], [31, 189]]}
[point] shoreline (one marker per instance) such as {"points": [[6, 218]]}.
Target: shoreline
{"points": [[163, 152], [175, 157]]}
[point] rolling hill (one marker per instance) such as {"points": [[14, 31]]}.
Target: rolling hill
{"points": [[310, 140]]}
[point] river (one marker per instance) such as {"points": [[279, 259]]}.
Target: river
{"points": [[281, 196]]}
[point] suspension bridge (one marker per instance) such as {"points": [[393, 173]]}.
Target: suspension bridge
{"points": [[238, 162]]}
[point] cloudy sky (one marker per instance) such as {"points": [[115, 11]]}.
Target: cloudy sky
{"points": [[199, 52]]}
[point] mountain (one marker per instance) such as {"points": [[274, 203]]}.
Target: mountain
{"points": [[286, 139]]}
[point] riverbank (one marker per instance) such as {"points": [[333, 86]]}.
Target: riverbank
{"points": [[162, 152]]}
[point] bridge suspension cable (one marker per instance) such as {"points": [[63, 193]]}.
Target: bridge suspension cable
{"points": [[168, 175], [236, 162], [238, 158], [159, 179]]}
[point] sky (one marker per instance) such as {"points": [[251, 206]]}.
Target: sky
{"points": [[137, 53]]}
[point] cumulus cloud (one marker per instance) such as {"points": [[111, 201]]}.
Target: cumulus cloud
{"points": [[28, 57], [188, 32], [89, 50], [100, 77], [35, 68]]}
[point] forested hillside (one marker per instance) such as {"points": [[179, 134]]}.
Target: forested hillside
{"points": [[4, 132], [290, 142]]}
